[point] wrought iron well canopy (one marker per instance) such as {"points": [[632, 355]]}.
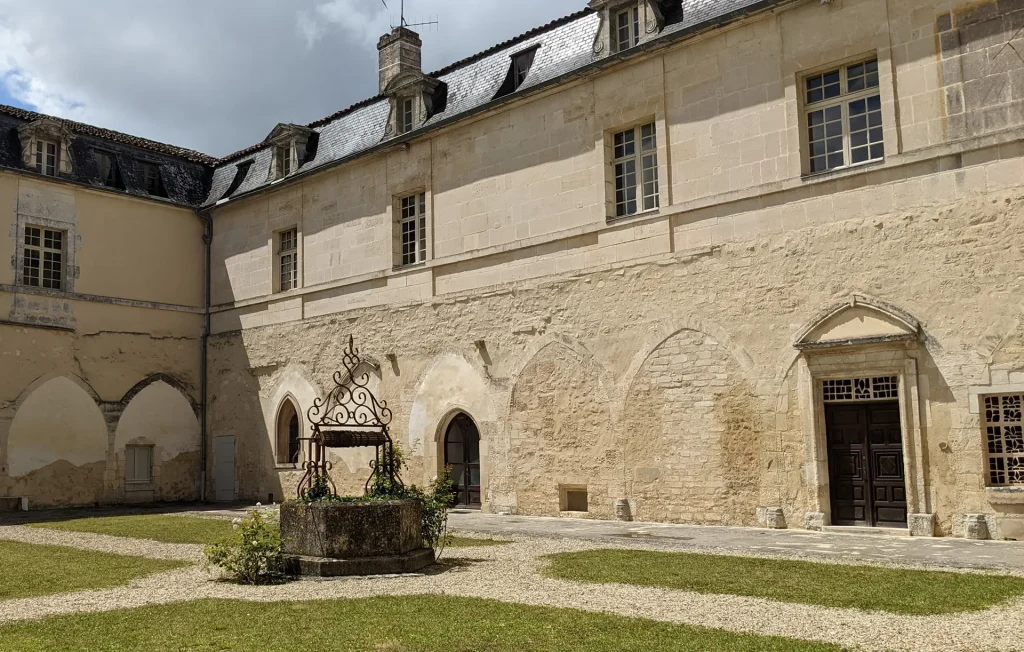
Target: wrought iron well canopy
{"points": [[350, 416]]}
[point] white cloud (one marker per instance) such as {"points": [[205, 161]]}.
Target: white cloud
{"points": [[218, 75]]}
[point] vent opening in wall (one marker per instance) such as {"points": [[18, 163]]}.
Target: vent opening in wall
{"points": [[574, 499]]}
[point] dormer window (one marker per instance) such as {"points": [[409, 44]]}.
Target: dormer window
{"points": [[152, 183], [626, 28], [109, 175], [284, 160], [47, 157], [517, 72], [405, 115]]}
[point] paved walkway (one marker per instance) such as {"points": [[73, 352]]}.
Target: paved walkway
{"points": [[945, 552]]}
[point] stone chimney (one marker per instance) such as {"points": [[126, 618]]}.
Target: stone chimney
{"points": [[399, 53]]}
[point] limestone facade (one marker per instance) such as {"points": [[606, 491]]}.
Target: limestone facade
{"points": [[100, 366], [676, 364], [671, 363]]}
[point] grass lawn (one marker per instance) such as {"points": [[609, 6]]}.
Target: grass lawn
{"points": [[860, 587], [28, 570], [395, 624], [472, 542], [157, 527]]}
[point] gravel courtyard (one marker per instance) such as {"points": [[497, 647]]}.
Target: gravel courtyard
{"points": [[511, 573]]}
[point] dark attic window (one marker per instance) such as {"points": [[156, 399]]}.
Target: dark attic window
{"points": [[152, 183], [241, 171], [517, 72], [109, 174]]}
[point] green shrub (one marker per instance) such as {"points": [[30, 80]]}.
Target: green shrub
{"points": [[253, 554]]}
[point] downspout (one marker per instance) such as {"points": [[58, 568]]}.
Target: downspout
{"points": [[207, 221]]}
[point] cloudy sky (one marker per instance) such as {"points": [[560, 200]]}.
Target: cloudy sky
{"points": [[217, 75]]}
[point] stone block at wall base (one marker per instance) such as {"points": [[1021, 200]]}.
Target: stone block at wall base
{"points": [[814, 521], [623, 511], [921, 525], [976, 527], [771, 517]]}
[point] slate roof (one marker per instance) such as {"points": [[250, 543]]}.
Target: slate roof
{"points": [[566, 46], [185, 174]]}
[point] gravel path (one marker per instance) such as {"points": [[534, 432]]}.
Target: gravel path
{"points": [[510, 573]]}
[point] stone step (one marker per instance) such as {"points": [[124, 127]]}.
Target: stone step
{"points": [[863, 529]]}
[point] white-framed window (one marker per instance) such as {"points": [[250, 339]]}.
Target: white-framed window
{"points": [[1004, 435], [413, 227], [47, 157], [288, 259], [843, 108], [284, 160], [43, 258], [405, 115], [635, 163], [138, 464], [626, 28]]}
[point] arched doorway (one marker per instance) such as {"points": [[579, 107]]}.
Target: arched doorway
{"points": [[462, 452], [288, 434]]}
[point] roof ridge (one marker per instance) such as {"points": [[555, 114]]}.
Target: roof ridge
{"points": [[110, 134], [558, 22]]}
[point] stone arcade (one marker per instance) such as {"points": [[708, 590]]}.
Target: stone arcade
{"points": [[730, 262]]}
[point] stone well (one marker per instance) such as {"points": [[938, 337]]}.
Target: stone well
{"points": [[353, 538]]}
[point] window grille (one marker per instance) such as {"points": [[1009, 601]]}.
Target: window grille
{"points": [[47, 157], [627, 28], [633, 195], [861, 389], [43, 258], [414, 229], [844, 117], [138, 464], [1004, 432], [288, 259]]}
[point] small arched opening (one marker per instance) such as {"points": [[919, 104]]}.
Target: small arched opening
{"points": [[288, 433], [462, 454]]}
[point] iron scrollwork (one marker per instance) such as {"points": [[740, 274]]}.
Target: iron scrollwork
{"points": [[349, 416]]}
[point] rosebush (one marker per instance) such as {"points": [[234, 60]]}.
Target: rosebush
{"points": [[253, 553]]}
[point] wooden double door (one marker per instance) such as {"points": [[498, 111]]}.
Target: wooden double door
{"points": [[462, 453], [865, 459]]}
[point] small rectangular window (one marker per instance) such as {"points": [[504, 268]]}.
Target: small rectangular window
{"points": [[413, 226], [43, 258], [635, 153], [153, 184], [47, 157], [844, 117], [288, 259], [284, 161], [405, 118], [1004, 438], [138, 464], [626, 28]]}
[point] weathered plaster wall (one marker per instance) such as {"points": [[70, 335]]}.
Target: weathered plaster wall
{"points": [[129, 311]]}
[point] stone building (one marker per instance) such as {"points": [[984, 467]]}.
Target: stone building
{"points": [[698, 261], [101, 314]]}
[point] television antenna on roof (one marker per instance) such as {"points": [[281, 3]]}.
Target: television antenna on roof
{"points": [[402, 20]]}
